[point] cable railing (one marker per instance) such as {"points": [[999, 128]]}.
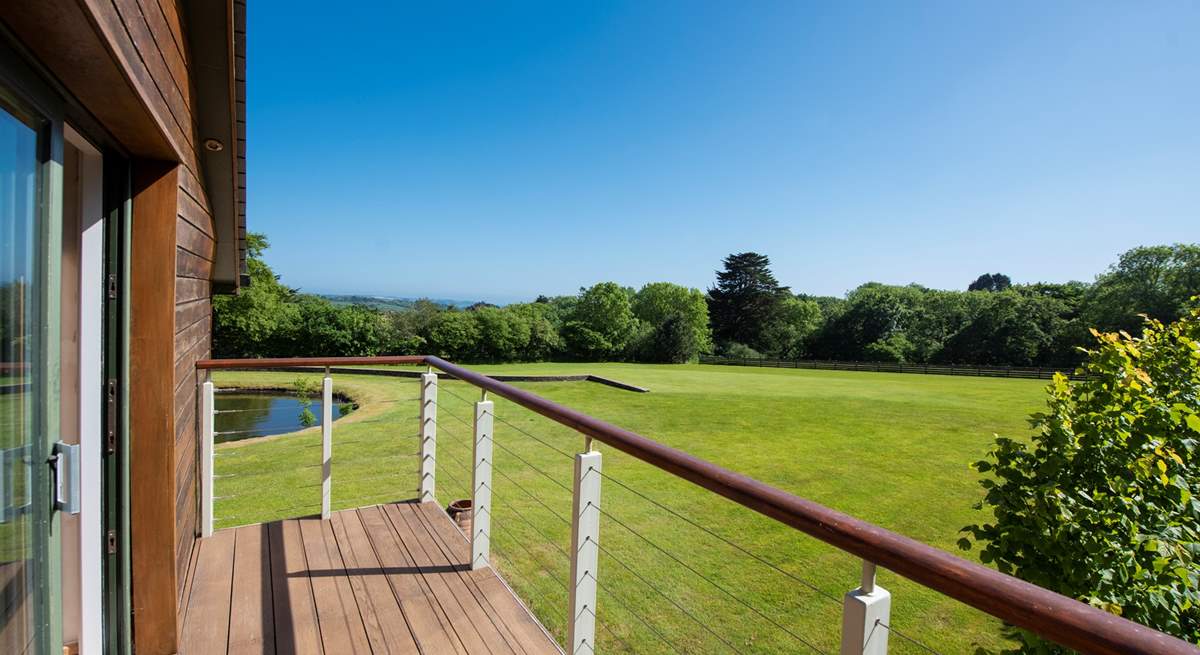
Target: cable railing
{"points": [[638, 590]]}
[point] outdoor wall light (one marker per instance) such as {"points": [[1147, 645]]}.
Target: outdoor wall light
{"points": [[213, 145]]}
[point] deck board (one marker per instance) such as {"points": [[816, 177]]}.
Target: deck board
{"points": [[382, 579], [248, 631]]}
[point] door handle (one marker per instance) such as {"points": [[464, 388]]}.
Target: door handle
{"points": [[64, 466]]}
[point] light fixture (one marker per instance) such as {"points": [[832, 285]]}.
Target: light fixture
{"points": [[213, 145]]}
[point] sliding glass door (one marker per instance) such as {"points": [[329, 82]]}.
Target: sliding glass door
{"points": [[25, 536]]}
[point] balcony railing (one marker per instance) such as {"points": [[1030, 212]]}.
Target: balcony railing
{"points": [[865, 609]]}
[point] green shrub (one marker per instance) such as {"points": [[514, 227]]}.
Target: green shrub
{"points": [[1102, 505], [735, 349]]}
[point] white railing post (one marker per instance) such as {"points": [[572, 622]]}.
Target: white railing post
{"points": [[481, 484], [585, 553], [326, 443], [207, 421], [427, 468], [866, 612]]}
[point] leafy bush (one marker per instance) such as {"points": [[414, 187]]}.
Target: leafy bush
{"points": [[1101, 505], [306, 388], [735, 349]]}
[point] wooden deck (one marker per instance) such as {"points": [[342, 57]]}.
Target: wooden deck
{"points": [[383, 579]]}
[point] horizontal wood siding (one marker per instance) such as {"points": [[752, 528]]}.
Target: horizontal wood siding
{"points": [[194, 256], [150, 38]]}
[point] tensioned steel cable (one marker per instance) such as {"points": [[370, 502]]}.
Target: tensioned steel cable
{"points": [[533, 436], [457, 418], [229, 452], [526, 463], [551, 575], [545, 569], [709, 581], [730, 543], [252, 430], [314, 505], [518, 429], [535, 498], [660, 592], [905, 637], [550, 540], [454, 459], [442, 388], [636, 615]]}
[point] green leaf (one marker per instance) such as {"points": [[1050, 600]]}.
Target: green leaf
{"points": [[1193, 422]]}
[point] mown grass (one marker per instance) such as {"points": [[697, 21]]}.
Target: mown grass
{"points": [[889, 448]]}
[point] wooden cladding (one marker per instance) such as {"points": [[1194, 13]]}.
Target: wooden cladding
{"points": [[152, 430]]}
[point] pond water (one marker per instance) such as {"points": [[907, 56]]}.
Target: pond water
{"points": [[249, 415]]}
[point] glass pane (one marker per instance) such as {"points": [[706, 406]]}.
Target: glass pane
{"points": [[18, 211]]}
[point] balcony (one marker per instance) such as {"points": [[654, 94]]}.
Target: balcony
{"points": [[384, 569], [391, 578]]}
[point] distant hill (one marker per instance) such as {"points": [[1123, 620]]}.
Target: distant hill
{"points": [[390, 303]]}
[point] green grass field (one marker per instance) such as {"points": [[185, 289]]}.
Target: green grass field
{"points": [[893, 449]]}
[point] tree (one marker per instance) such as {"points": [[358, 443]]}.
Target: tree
{"points": [[324, 329], [794, 323], [544, 342], [1157, 281], [990, 282], [503, 335], [259, 320], [454, 335], [873, 312], [657, 302], [1099, 506], [673, 340], [1003, 328], [745, 299], [602, 322]]}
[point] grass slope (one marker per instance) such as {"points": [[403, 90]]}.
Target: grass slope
{"points": [[889, 448]]}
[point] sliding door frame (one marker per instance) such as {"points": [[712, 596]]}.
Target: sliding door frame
{"points": [[34, 89]]}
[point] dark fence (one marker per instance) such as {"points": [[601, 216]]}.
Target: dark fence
{"points": [[1029, 372]]}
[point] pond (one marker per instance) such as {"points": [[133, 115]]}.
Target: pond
{"points": [[244, 415]]}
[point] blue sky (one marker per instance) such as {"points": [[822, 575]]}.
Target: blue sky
{"points": [[502, 150]]}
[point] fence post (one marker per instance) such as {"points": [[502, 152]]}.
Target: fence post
{"points": [[481, 483], [207, 411], [428, 464], [585, 553], [326, 442], [866, 612]]}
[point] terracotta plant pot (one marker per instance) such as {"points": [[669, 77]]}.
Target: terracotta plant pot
{"points": [[460, 511]]}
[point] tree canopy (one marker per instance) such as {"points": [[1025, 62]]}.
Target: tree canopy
{"points": [[745, 299], [990, 282], [746, 311]]}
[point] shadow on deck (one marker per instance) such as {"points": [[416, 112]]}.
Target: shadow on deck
{"points": [[385, 579]]}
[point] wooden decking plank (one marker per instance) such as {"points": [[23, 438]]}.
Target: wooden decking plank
{"points": [[465, 615], [493, 594], [387, 628], [425, 618], [342, 629], [252, 611], [463, 589], [206, 625], [296, 625]]}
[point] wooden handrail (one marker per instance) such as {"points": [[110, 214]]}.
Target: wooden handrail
{"points": [[1058, 618]]}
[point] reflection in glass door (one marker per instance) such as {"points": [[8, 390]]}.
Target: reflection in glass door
{"points": [[19, 323]]}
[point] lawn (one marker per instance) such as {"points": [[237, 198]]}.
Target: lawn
{"points": [[893, 449]]}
